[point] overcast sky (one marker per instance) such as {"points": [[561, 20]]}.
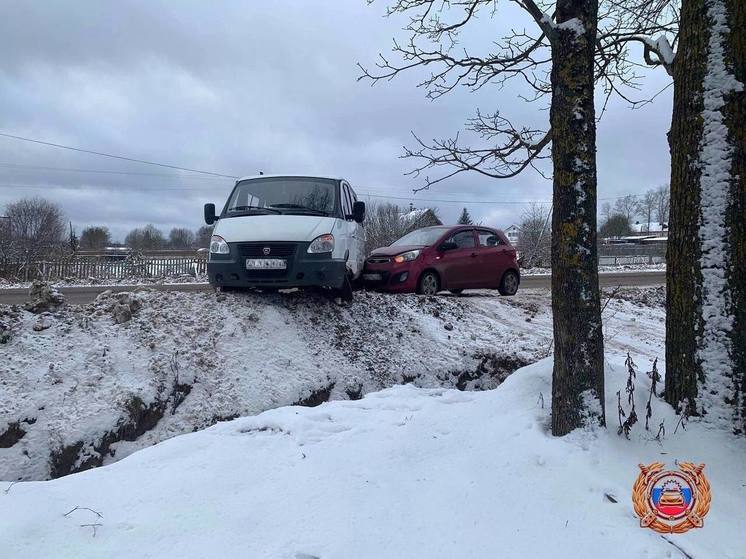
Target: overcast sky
{"points": [[238, 87]]}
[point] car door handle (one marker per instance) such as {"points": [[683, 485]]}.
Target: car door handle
{"points": [[473, 254]]}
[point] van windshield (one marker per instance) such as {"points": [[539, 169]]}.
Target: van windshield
{"points": [[284, 195]]}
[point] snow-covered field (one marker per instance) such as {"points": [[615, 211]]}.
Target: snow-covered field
{"points": [[403, 473], [79, 390], [536, 271]]}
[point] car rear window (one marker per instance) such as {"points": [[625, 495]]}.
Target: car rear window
{"points": [[488, 238]]}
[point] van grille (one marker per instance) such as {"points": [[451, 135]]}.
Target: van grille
{"points": [[275, 276], [276, 250]]}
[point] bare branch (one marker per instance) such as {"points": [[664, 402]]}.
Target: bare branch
{"points": [[68, 513], [504, 150], [511, 150], [94, 526]]}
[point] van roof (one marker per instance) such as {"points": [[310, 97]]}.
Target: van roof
{"points": [[294, 176]]}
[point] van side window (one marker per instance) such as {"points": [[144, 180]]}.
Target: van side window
{"points": [[346, 200]]}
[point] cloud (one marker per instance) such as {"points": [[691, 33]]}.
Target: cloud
{"points": [[238, 87]]}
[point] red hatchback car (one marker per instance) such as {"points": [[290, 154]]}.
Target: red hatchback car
{"points": [[437, 258]]}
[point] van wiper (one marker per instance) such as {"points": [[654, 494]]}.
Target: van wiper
{"points": [[300, 208], [243, 208]]}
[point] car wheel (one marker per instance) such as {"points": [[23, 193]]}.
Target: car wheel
{"points": [[429, 284], [456, 291], [509, 283]]}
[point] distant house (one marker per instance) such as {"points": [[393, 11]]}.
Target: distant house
{"points": [[418, 218], [513, 233]]}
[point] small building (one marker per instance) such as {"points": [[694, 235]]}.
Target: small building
{"points": [[512, 233], [418, 218]]}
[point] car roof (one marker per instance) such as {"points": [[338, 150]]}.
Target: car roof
{"points": [[291, 176]]}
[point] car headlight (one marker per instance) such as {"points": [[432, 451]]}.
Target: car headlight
{"points": [[406, 256], [218, 245], [322, 243]]}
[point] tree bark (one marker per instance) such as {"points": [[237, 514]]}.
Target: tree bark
{"points": [[706, 261], [735, 117], [578, 375]]}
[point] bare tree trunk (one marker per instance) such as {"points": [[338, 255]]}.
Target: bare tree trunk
{"points": [[578, 376], [735, 117], [706, 275]]}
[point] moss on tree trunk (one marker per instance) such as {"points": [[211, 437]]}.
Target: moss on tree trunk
{"points": [[578, 375], [683, 276]]}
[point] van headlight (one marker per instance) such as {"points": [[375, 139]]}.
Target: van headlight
{"points": [[406, 256], [322, 243], [218, 245]]}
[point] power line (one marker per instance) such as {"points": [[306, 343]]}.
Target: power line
{"points": [[444, 201], [112, 187], [360, 192], [106, 171], [123, 158]]}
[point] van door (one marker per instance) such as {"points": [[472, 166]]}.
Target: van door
{"points": [[351, 233]]}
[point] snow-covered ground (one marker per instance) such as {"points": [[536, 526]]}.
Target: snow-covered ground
{"points": [[113, 283], [536, 271], [406, 472], [78, 389]]}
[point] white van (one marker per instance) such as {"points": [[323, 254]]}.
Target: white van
{"points": [[282, 231]]}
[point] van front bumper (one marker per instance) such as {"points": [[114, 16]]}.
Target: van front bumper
{"points": [[303, 270]]}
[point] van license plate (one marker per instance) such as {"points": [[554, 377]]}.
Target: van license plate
{"points": [[266, 264]]}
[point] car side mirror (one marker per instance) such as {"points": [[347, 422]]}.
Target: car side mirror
{"points": [[447, 245], [210, 216], [358, 211], [492, 241]]}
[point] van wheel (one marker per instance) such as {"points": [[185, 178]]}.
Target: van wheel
{"points": [[508, 284], [429, 284], [345, 292]]}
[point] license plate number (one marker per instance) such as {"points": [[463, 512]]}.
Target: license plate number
{"points": [[266, 264], [372, 277]]}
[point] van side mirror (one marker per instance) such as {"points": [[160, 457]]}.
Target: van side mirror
{"points": [[447, 245], [358, 211], [210, 216]]}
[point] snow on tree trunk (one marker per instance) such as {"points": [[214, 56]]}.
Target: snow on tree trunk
{"points": [[578, 376], [706, 281]]}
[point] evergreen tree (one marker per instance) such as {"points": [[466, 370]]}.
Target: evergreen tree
{"points": [[465, 218]]}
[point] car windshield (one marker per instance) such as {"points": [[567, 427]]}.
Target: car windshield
{"points": [[421, 237], [284, 195]]}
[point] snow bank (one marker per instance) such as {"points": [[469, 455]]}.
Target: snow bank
{"points": [[85, 390], [406, 472]]}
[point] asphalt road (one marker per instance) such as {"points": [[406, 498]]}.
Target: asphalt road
{"points": [[85, 294]]}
